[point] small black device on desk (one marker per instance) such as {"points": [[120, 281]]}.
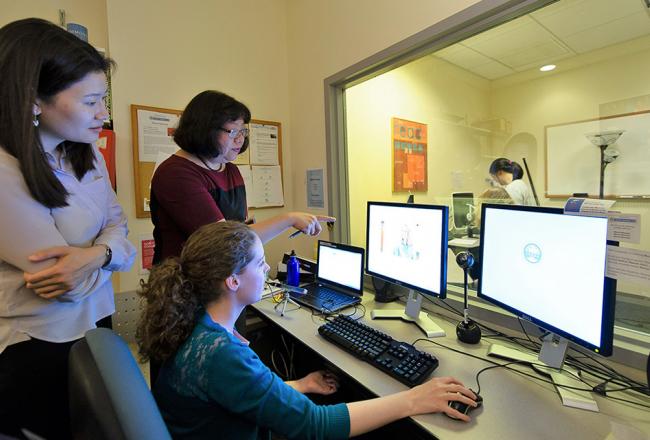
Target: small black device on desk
{"points": [[463, 407], [400, 360]]}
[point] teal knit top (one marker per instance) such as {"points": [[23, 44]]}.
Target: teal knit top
{"points": [[216, 387]]}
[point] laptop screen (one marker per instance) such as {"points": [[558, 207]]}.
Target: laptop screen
{"points": [[340, 264]]}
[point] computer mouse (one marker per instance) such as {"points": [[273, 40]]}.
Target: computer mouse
{"points": [[463, 407]]}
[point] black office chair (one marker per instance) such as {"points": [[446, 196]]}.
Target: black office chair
{"points": [[109, 398]]}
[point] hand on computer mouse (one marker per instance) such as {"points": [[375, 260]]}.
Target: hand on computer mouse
{"points": [[463, 408], [435, 394]]}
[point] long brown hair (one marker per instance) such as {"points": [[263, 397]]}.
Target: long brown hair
{"points": [[38, 59], [178, 289]]}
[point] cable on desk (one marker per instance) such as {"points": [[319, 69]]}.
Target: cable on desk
{"points": [[478, 383], [532, 376], [506, 365], [600, 371], [606, 372]]}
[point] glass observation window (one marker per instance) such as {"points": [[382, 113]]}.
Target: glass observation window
{"points": [[562, 92]]}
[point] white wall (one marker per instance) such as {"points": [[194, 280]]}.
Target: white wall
{"points": [[90, 13], [273, 55], [168, 51], [325, 37], [429, 91]]}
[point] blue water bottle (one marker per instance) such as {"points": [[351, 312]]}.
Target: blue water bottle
{"points": [[293, 270]]}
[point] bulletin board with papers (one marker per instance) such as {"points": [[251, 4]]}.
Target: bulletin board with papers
{"points": [[261, 165], [152, 136]]}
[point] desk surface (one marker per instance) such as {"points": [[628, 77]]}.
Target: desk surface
{"points": [[514, 406]]}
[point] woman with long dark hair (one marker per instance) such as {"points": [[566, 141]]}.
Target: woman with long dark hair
{"points": [[63, 232], [212, 385]]}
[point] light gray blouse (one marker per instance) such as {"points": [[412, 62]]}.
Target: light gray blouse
{"points": [[93, 216]]}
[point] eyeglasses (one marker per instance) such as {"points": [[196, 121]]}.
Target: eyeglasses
{"points": [[233, 133]]}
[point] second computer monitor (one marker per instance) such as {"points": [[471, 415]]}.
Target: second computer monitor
{"points": [[406, 244], [549, 268], [463, 206]]}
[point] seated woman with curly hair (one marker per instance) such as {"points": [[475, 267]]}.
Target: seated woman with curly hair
{"points": [[212, 385]]}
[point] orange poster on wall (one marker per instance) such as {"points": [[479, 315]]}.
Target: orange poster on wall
{"points": [[409, 155]]}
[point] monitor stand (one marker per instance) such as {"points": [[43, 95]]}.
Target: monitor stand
{"points": [[412, 313], [549, 363]]}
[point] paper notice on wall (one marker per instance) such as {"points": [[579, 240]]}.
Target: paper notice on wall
{"points": [[589, 207], [630, 265], [624, 227], [155, 134], [267, 186], [264, 144], [315, 189]]}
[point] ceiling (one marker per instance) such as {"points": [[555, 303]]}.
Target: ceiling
{"points": [[561, 30]]}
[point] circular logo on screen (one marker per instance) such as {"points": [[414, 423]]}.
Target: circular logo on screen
{"points": [[532, 253]]}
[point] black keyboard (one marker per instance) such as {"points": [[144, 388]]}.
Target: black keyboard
{"points": [[400, 360]]}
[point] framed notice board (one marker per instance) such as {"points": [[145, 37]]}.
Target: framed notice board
{"points": [[152, 134], [260, 166]]}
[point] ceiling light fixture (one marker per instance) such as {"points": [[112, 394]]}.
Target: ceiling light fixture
{"points": [[547, 68]]}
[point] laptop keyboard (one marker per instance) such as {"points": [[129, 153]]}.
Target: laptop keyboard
{"points": [[329, 295], [325, 298]]}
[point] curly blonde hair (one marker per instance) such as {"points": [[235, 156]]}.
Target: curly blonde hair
{"points": [[178, 289]]}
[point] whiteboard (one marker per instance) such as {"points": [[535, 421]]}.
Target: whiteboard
{"points": [[573, 162]]}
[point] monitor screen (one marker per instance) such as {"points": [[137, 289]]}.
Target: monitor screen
{"points": [[340, 264], [406, 244], [461, 203], [549, 268]]}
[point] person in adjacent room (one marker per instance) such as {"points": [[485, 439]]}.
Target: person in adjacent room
{"points": [[496, 195], [510, 175], [213, 385], [63, 232]]}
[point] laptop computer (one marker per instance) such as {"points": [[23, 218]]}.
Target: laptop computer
{"points": [[339, 278]]}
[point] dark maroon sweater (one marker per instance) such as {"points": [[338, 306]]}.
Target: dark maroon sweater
{"points": [[185, 196]]}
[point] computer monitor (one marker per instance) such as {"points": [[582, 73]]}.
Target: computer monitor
{"points": [[406, 244], [549, 268], [463, 207]]}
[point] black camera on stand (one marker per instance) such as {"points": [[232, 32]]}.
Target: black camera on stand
{"points": [[467, 330]]}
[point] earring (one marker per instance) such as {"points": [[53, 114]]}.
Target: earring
{"points": [[35, 121]]}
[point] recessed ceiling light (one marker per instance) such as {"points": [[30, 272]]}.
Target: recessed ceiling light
{"points": [[547, 68]]}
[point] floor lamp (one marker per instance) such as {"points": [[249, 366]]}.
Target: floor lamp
{"points": [[602, 140]]}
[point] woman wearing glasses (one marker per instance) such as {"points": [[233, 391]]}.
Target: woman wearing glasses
{"points": [[199, 184]]}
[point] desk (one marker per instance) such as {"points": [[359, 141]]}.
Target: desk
{"points": [[515, 407]]}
